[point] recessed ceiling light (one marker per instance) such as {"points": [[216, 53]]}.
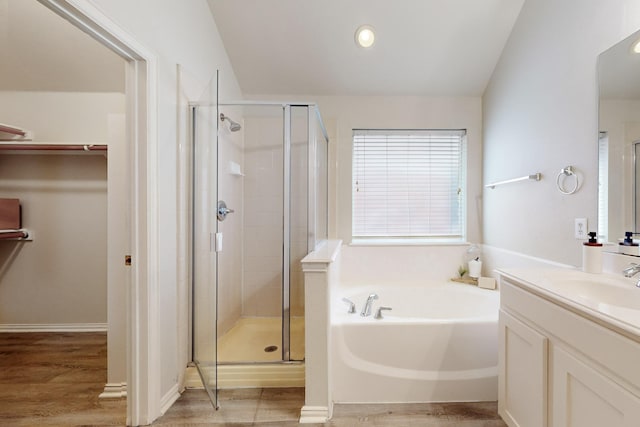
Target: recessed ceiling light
{"points": [[636, 47], [365, 37]]}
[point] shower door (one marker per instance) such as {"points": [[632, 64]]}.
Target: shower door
{"points": [[250, 276], [204, 255], [262, 176], [262, 161]]}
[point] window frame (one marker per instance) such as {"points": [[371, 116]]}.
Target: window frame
{"points": [[390, 239]]}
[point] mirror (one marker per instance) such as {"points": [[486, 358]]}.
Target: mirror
{"points": [[619, 141]]}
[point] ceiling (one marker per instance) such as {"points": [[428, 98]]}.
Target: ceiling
{"points": [[423, 47], [287, 47], [40, 51]]}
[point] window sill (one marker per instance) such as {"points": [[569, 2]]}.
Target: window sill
{"points": [[407, 242]]}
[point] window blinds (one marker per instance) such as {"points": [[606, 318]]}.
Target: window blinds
{"points": [[408, 183]]}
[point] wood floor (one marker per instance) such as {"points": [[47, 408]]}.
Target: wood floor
{"points": [[54, 379], [281, 407]]}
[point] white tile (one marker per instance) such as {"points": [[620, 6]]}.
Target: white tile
{"points": [[262, 264], [262, 294]]}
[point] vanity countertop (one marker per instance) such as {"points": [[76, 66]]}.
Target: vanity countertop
{"points": [[610, 300]]}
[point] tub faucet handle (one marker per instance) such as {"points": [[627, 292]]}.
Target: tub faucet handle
{"points": [[378, 314], [352, 306]]}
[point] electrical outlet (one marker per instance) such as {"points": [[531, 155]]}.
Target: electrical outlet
{"points": [[581, 228]]}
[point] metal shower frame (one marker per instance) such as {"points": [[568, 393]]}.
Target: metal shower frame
{"points": [[314, 120]]}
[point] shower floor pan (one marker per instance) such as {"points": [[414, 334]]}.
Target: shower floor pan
{"points": [[248, 355]]}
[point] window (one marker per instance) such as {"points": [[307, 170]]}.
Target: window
{"points": [[409, 184]]}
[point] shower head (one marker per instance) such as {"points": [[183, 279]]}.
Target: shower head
{"points": [[233, 126]]}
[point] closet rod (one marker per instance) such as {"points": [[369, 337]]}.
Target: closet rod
{"points": [[13, 234], [53, 147], [12, 130]]}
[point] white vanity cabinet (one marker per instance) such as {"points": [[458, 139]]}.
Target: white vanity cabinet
{"points": [[563, 367], [585, 397], [522, 395]]}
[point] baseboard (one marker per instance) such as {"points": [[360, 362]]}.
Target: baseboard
{"points": [[314, 414], [54, 327], [170, 398], [114, 391]]}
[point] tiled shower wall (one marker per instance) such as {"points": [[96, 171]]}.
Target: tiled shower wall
{"points": [[230, 150], [263, 198], [299, 206], [263, 215]]}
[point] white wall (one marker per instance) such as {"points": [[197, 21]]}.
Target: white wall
{"points": [[182, 33], [58, 280], [49, 54], [342, 114], [61, 116], [540, 115], [118, 231], [399, 265]]}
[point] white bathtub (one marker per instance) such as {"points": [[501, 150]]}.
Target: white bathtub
{"points": [[438, 344]]}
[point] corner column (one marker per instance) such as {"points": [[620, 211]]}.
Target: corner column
{"points": [[320, 270]]}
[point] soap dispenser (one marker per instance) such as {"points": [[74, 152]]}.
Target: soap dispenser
{"points": [[628, 246], [474, 264], [592, 255]]}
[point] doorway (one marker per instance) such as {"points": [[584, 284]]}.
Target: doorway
{"points": [[72, 102], [140, 301]]}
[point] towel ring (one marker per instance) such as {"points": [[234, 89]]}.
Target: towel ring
{"points": [[565, 172]]}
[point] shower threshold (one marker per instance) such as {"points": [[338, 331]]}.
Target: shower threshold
{"points": [[257, 375]]}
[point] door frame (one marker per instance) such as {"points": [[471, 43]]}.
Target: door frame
{"points": [[143, 365]]}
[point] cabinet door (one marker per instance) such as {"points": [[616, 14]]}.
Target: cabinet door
{"points": [[582, 397], [522, 392]]}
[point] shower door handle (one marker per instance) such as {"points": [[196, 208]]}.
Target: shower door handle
{"points": [[223, 210]]}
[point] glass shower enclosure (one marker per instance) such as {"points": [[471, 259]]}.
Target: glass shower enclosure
{"points": [[259, 201]]}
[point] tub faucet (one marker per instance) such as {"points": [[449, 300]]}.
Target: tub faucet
{"points": [[366, 310], [631, 271]]}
